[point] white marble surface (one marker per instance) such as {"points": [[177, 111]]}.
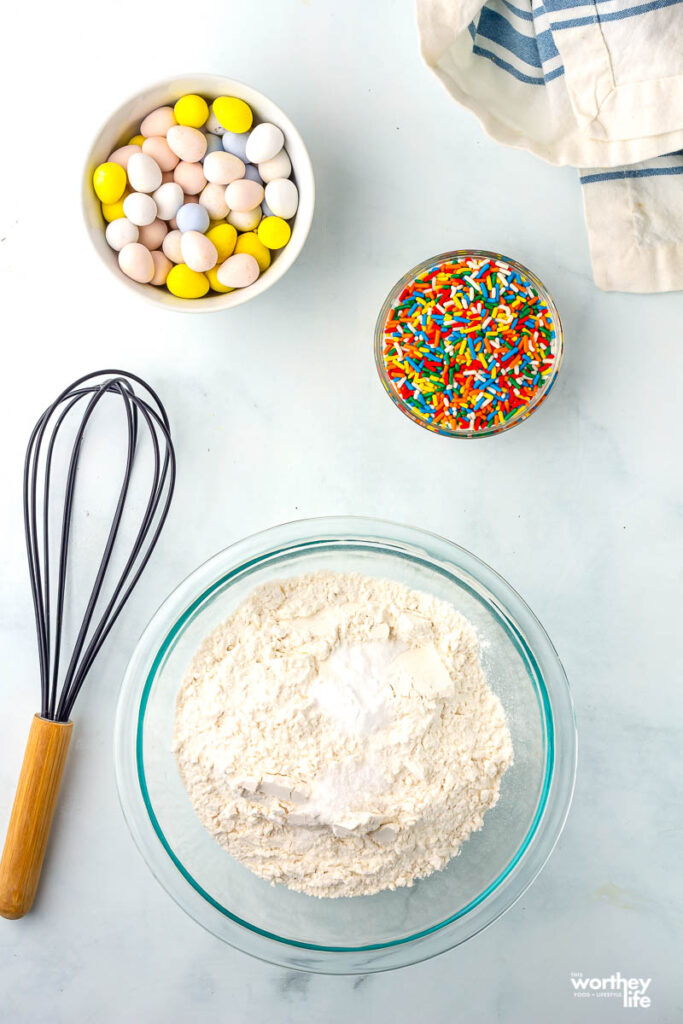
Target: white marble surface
{"points": [[278, 414]]}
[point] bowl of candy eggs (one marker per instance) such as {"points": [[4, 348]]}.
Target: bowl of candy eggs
{"points": [[198, 193]]}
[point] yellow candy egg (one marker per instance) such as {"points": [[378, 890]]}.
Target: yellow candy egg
{"points": [[274, 232], [216, 286], [191, 111], [223, 237], [234, 115], [112, 211], [185, 283], [249, 242], [137, 140], [109, 182]]}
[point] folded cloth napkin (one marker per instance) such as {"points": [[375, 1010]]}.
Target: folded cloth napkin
{"points": [[597, 84]]}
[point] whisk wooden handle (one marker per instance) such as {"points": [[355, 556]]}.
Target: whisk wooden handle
{"points": [[31, 818]]}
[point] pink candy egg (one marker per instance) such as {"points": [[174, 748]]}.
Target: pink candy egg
{"points": [[158, 122], [152, 235], [136, 262], [199, 252], [122, 155], [238, 271], [171, 246], [158, 148], [162, 265], [190, 177], [213, 198], [244, 195], [187, 143]]}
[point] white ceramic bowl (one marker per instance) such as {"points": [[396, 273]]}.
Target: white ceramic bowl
{"points": [[125, 123]]}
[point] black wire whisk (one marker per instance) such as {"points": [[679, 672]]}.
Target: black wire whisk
{"points": [[49, 546]]}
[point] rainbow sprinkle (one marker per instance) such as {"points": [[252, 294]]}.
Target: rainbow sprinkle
{"points": [[469, 345]]}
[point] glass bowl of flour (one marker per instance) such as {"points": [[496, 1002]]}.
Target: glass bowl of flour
{"points": [[345, 745]]}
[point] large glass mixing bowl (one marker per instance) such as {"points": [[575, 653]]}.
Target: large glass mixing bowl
{"points": [[390, 929]]}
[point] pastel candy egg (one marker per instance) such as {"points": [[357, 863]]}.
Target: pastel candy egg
{"points": [[169, 197], [191, 110], [192, 217], [274, 232], [186, 283], [216, 286], [109, 181], [213, 143], [136, 262], [244, 195], [190, 176], [213, 198], [245, 221], [199, 252], [279, 166], [282, 197], [236, 143], [187, 201], [187, 143], [238, 271], [140, 208], [152, 235], [158, 148], [233, 114], [122, 155], [171, 246], [252, 173], [249, 242], [222, 168], [121, 232], [224, 237], [158, 122], [264, 143], [213, 125], [144, 174], [162, 267]]}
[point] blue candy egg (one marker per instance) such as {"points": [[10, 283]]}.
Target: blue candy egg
{"points": [[192, 217], [213, 142], [267, 212], [236, 143], [252, 173]]}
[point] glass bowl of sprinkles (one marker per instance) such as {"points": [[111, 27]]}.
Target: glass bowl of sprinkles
{"points": [[468, 343]]}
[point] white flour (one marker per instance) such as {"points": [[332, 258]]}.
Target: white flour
{"points": [[337, 734]]}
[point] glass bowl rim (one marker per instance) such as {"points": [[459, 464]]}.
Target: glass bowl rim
{"points": [[495, 429], [543, 831]]}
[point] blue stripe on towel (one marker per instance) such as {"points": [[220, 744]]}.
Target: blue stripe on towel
{"points": [[594, 19], [493, 26], [519, 75], [643, 172]]}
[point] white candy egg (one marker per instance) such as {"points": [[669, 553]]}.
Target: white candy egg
{"points": [[199, 252], [171, 246], [222, 168], [244, 195], [279, 166], [144, 173], [169, 197], [238, 271], [213, 198], [264, 142], [282, 197], [140, 208], [213, 125], [136, 262], [120, 232], [245, 220]]}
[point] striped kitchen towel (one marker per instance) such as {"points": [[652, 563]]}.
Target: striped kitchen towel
{"points": [[597, 84]]}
